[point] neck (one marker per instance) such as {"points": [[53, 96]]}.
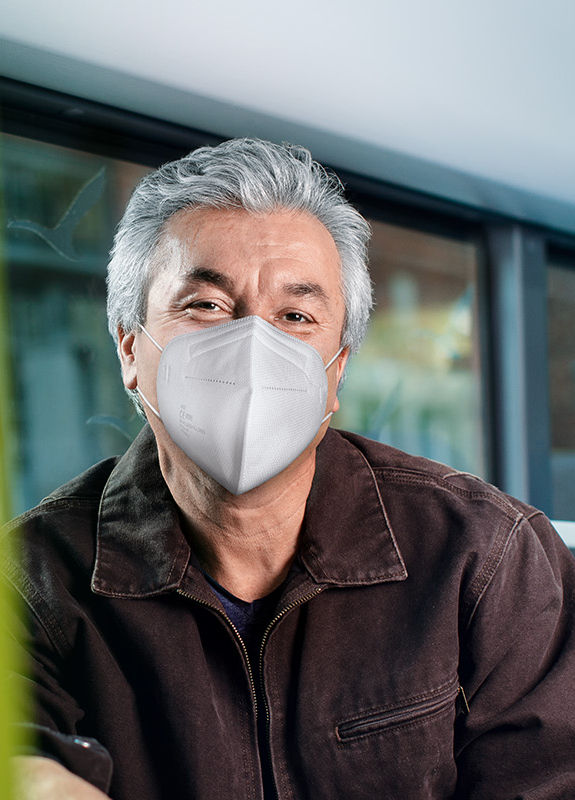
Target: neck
{"points": [[248, 542]]}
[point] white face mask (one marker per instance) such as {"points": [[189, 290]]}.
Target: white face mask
{"points": [[242, 400]]}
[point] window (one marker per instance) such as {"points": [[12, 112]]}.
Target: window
{"points": [[68, 408], [561, 353], [419, 382], [416, 383]]}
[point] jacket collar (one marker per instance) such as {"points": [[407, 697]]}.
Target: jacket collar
{"points": [[347, 537], [142, 550]]}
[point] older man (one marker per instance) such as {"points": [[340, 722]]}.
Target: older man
{"points": [[247, 605]]}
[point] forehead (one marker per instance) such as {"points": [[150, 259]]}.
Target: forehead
{"points": [[284, 239]]}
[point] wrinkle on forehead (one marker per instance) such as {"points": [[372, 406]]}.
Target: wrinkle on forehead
{"points": [[187, 224], [180, 235]]}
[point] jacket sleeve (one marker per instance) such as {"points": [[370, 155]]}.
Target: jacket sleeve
{"points": [[46, 714], [517, 741]]}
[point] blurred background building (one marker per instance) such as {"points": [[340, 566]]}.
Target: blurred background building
{"points": [[453, 128]]}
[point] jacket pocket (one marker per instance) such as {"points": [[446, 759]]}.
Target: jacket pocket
{"points": [[404, 713]]}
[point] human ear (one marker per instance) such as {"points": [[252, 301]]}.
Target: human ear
{"points": [[127, 354], [340, 362]]}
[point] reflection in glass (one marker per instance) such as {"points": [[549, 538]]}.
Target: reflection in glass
{"points": [[561, 316], [416, 382], [68, 403]]}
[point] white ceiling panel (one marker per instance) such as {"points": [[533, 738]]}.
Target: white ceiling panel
{"points": [[485, 87]]}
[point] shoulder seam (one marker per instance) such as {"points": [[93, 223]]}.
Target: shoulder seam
{"points": [[413, 476], [492, 563], [32, 598], [46, 505]]}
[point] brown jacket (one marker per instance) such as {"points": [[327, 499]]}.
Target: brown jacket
{"points": [[414, 581]]}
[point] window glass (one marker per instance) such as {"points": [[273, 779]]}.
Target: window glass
{"points": [[561, 318], [67, 403], [416, 382]]}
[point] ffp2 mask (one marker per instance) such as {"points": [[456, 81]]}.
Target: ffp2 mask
{"points": [[242, 399]]}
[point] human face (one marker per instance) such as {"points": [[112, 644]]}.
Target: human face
{"points": [[216, 265]]}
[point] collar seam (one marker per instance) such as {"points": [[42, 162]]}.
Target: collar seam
{"points": [[98, 553], [403, 570]]}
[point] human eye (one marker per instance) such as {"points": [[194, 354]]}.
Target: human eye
{"points": [[206, 309], [205, 305], [294, 321], [295, 317]]}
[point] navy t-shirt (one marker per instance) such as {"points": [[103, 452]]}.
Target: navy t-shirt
{"points": [[251, 619]]}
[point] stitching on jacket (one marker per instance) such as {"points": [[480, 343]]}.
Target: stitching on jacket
{"points": [[94, 583], [311, 556], [383, 511], [445, 693], [414, 698], [502, 538], [100, 588], [496, 555], [393, 730], [460, 474], [405, 476], [45, 616], [181, 548], [47, 505]]}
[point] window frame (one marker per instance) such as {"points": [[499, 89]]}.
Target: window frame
{"points": [[512, 276]]}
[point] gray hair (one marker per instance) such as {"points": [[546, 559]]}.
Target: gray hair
{"points": [[257, 176]]}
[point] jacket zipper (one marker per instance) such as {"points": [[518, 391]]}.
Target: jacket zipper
{"points": [[376, 722], [463, 698], [267, 631], [276, 619], [228, 622]]}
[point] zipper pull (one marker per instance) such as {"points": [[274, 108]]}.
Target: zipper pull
{"points": [[462, 701]]}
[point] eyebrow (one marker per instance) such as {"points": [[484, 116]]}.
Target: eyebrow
{"points": [[207, 275], [306, 289], [223, 281]]}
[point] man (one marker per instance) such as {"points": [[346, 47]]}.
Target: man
{"points": [[250, 605]]}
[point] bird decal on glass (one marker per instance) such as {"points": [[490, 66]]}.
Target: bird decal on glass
{"points": [[59, 238]]}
